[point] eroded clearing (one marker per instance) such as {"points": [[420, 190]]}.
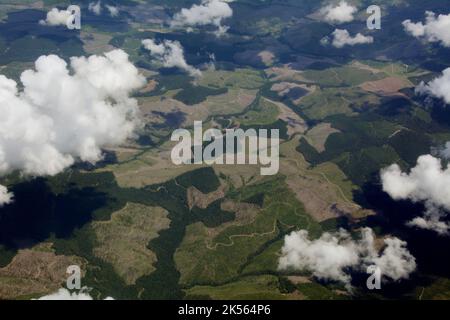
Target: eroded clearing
{"points": [[123, 240], [35, 272]]}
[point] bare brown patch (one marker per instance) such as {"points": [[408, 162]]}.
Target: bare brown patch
{"points": [[96, 43], [298, 279], [123, 240], [318, 135], [322, 199], [363, 66], [235, 101], [197, 198], [124, 153], [285, 73], [151, 85], [267, 57], [387, 86], [36, 271], [282, 88], [295, 123], [318, 204], [245, 212], [296, 295]]}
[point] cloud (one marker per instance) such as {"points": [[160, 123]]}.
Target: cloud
{"points": [[209, 12], [396, 262], [95, 7], [341, 13], [445, 151], [170, 54], [435, 29], [426, 183], [432, 222], [64, 294], [331, 256], [113, 11], [5, 196], [342, 38], [326, 257], [439, 87], [64, 114], [56, 17]]}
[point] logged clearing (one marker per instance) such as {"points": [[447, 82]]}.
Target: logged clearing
{"points": [[267, 57], [240, 175], [123, 240], [234, 101], [295, 124], [149, 87], [255, 287], [200, 259], [35, 272], [151, 167], [96, 43], [285, 73], [215, 255], [238, 78], [283, 88], [324, 192], [317, 136], [387, 86], [124, 153], [198, 199]]}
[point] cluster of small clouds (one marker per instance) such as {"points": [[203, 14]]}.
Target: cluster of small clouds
{"points": [[64, 294], [56, 17], [435, 29], [338, 14], [66, 114], [341, 13], [209, 12], [96, 8], [426, 183], [331, 256], [342, 38], [170, 54]]}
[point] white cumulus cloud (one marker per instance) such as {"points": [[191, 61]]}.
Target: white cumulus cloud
{"points": [[95, 7], [341, 13], [396, 262], [66, 113], [342, 38], [326, 257], [439, 87], [435, 29], [113, 11], [56, 17], [209, 12], [170, 54], [64, 294], [332, 255], [426, 183], [5, 196], [445, 151]]}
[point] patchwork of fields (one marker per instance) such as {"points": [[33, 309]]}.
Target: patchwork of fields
{"points": [[143, 227]]}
